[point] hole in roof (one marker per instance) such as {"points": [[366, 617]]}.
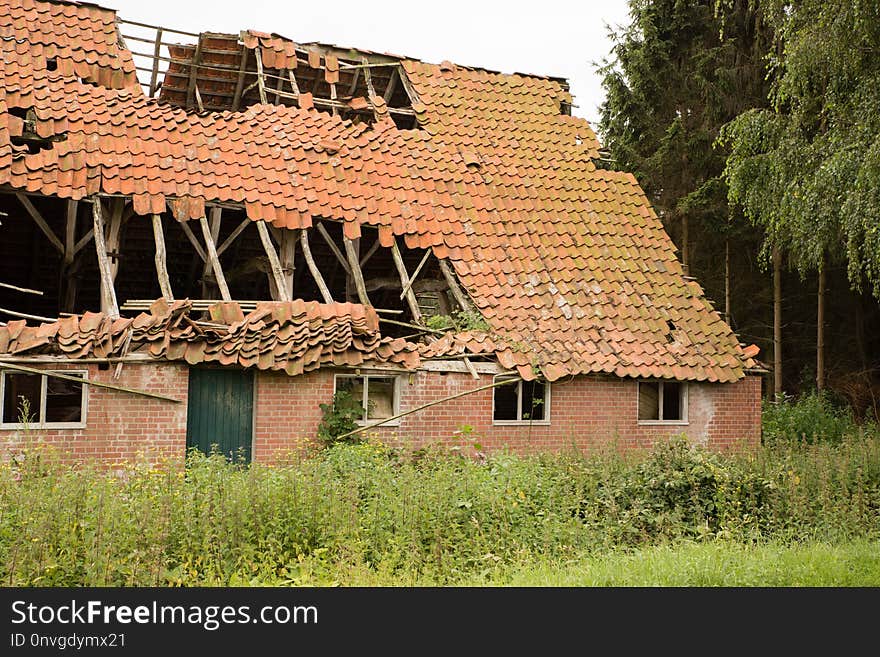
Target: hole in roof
{"points": [[51, 64], [564, 108], [20, 112], [671, 326]]}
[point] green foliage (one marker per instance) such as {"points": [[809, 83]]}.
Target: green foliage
{"points": [[807, 169], [461, 320], [367, 513], [340, 417], [810, 418]]}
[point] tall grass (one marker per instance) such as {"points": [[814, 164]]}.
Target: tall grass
{"points": [[357, 512]]}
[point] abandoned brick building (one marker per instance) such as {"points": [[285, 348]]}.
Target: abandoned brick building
{"points": [[204, 236]]}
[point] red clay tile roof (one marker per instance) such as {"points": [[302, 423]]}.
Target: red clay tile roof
{"points": [[568, 263], [294, 337]]}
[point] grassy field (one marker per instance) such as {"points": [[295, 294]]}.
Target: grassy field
{"points": [[793, 513]]}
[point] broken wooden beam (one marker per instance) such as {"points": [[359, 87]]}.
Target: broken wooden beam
{"points": [[454, 286], [85, 381], [406, 283], [36, 318], [416, 273], [357, 274], [25, 290], [341, 258], [108, 294], [313, 268], [212, 253], [161, 260], [233, 235], [274, 262], [70, 232]]}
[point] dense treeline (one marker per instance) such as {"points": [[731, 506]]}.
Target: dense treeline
{"points": [[753, 126]]}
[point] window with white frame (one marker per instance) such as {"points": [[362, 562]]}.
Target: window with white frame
{"points": [[41, 401], [378, 395], [662, 401], [518, 401]]}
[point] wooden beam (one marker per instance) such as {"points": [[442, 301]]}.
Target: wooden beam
{"points": [[193, 70], [261, 82], [207, 270], [242, 67], [369, 254], [405, 283], [313, 268], [108, 293], [357, 274], [161, 262], [154, 75], [392, 84], [293, 84], [37, 318], [342, 259], [229, 240], [192, 240], [70, 232], [278, 86], [212, 254], [85, 381], [85, 239], [114, 235], [287, 247], [38, 219], [354, 82], [370, 89], [416, 272], [454, 286], [274, 262], [25, 290]]}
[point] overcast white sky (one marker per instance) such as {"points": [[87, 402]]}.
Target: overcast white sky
{"points": [[545, 37]]}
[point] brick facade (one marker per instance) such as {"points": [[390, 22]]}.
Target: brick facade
{"points": [[585, 413]]}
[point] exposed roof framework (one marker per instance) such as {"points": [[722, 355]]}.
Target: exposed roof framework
{"points": [[495, 201]]}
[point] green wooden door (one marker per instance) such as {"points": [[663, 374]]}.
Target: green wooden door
{"points": [[221, 412]]}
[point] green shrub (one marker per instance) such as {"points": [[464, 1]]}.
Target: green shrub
{"points": [[810, 418], [339, 418]]}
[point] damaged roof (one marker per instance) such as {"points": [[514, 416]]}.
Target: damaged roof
{"points": [[567, 262], [293, 337]]}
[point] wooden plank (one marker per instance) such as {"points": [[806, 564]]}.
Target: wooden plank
{"points": [[406, 283], [154, 74], [416, 273], [313, 268], [38, 219], [274, 262], [357, 274], [70, 232], [354, 82], [342, 259], [239, 85], [212, 256], [108, 293], [192, 240], [293, 84], [85, 381], [229, 240], [161, 261], [453, 285]]}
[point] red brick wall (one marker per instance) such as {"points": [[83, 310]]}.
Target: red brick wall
{"points": [[119, 426], [585, 413]]}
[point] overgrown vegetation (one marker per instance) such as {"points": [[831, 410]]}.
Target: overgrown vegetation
{"points": [[369, 514], [339, 418], [461, 320]]}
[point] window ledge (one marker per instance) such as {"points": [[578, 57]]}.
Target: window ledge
{"points": [[41, 427], [369, 424], [521, 423], [664, 423]]}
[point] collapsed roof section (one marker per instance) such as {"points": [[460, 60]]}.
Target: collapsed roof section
{"points": [[293, 337], [568, 263]]}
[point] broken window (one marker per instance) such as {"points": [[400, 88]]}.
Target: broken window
{"points": [[662, 401], [39, 400], [377, 394], [520, 401]]}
